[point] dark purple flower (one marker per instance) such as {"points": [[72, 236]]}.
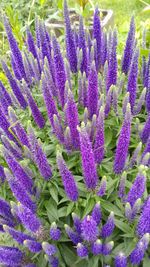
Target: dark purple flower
{"points": [[123, 143], [143, 226], [39, 156], [49, 249], [55, 232], [5, 210], [120, 260], [14, 48], [132, 79], [128, 51], [135, 155], [128, 211], [102, 189], [96, 213], [99, 138], [92, 91], [89, 229], [5, 125], [88, 161], [146, 130], [122, 184], [137, 254], [137, 189], [74, 237], [12, 147], [15, 68], [107, 248], [70, 42], [10, 256], [108, 101], [104, 49], [148, 92], [97, 247], [32, 47], [33, 246], [28, 219], [60, 73], [17, 235], [53, 261], [58, 129], [141, 102], [82, 45], [19, 192], [82, 250], [136, 208], [2, 174], [76, 223], [37, 115], [97, 34], [72, 119], [108, 227], [146, 152], [5, 93], [67, 178]]}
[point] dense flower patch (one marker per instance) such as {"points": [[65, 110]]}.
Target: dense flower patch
{"points": [[75, 149]]}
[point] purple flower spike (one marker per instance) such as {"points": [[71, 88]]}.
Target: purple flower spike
{"points": [[112, 63], [67, 178], [141, 102], [32, 47], [39, 156], [5, 210], [120, 260], [123, 143], [30, 265], [12, 147], [128, 211], [2, 174], [77, 223], [143, 226], [82, 250], [19, 130], [10, 256], [53, 261], [137, 254], [128, 51], [108, 227], [17, 235], [59, 71], [137, 189], [88, 161], [28, 219], [4, 125], [99, 138], [38, 117], [97, 247], [19, 173], [122, 185], [97, 34], [146, 130], [70, 41], [55, 232], [148, 93], [132, 79], [89, 229], [14, 48], [102, 190], [146, 153], [15, 68], [108, 101], [104, 49], [72, 119], [107, 248], [92, 91], [49, 249], [19, 192], [5, 94], [33, 246], [82, 45], [134, 158], [96, 213], [74, 237], [136, 208]]}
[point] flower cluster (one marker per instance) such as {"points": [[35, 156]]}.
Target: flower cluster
{"points": [[70, 111]]}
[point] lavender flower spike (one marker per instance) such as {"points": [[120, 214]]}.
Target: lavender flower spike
{"points": [[70, 41], [96, 213], [28, 219], [141, 102], [120, 260], [135, 155], [89, 229], [38, 117], [10, 256], [39, 156], [2, 174], [72, 119], [146, 130], [82, 250], [128, 51], [76, 223], [97, 34], [82, 45], [14, 48], [107, 248], [102, 189], [108, 227], [74, 237], [67, 178], [97, 247], [92, 91], [88, 161], [5, 94], [138, 253], [59, 71], [17, 235], [143, 226], [5, 210], [123, 143], [33, 246], [19, 192], [132, 79], [49, 249], [55, 232], [99, 138], [122, 184], [137, 189]]}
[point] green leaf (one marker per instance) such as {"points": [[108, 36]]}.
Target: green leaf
{"points": [[110, 207], [123, 226], [146, 262]]}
